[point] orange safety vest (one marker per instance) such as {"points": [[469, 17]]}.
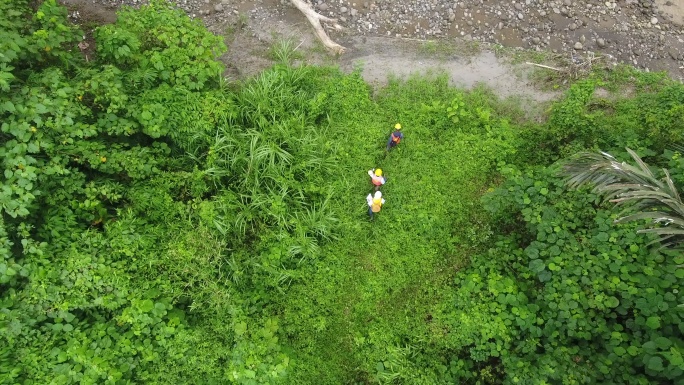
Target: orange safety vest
{"points": [[396, 139], [377, 204]]}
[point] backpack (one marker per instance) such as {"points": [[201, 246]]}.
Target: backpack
{"points": [[377, 203]]}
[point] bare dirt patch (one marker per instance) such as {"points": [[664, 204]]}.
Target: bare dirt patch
{"points": [[460, 41], [644, 33], [382, 57], [251, 37]]}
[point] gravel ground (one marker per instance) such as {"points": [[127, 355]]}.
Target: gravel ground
{"points": [[648, 34]]}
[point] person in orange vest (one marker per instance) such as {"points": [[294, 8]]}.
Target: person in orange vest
{"points": [[375, 203], [395, 137], [376, 177]]}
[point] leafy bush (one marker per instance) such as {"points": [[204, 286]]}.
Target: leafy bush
{"points": [[571, 297], [160, 44], [73, 143], [648, 122]]}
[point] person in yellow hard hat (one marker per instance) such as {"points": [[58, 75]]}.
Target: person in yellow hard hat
{"points": [[375, 203], [395, 137], [376, 177]]}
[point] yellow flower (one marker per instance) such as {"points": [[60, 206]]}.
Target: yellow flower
{"points": [[47, 49], [103, 159], [80, 97], [33, 129]]}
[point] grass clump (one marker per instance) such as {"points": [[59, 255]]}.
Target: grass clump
{"points": [[284, 51]]}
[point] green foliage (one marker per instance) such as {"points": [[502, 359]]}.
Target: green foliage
{"points": [[571, 296], [160, 44], [73, 144], [370, 313], [284, 51], [33, 40], [637, 189], [648, 122]]}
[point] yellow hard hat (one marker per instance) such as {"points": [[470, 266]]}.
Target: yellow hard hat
{"points": [[397, 126], [378, 172]]}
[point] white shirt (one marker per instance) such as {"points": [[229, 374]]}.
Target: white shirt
{"points": [[369, 199], [376, 178]]}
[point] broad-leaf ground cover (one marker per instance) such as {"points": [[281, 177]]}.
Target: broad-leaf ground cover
{"points": [[161, 225]]}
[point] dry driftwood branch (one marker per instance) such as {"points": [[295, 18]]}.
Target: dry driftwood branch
{"points": [[543, 66], [316, 19]]}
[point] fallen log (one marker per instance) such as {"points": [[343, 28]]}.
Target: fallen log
{"points": [[316, 19]]}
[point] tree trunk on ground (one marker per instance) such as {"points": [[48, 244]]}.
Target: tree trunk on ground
{"points": [[315, 19]]}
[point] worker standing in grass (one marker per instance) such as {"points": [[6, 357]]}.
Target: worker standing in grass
{"points": [[395, 137], [375, 203], [376, 178]]}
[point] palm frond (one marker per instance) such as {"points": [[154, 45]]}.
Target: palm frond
{"points": [[643, 195]]}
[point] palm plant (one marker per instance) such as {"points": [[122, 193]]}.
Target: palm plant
{"points": [[642, 194]]}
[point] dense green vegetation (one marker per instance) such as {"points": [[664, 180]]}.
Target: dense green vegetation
{"points": [[163, 226]]}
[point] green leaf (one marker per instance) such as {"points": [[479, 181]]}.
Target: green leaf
{"points": [[655, 364], [653, 322], [611, 302], [240, 328], [675, 357], [537, 265], [545, 276], [146, 305], [68, 317], [8, 106], [632, 350], [33, 147], [649, 347], [663, 343]]}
